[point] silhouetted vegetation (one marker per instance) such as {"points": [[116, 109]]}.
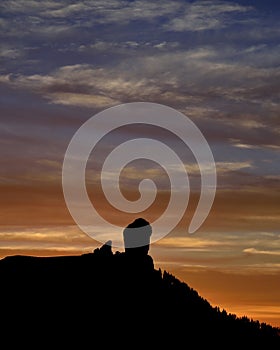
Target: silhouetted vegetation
{"points": [[121, 297]]}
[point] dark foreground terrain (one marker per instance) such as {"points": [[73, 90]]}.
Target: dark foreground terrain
{"points": [[106, 299]]}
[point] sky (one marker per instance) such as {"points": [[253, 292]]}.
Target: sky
{"points": [[217, 63]]}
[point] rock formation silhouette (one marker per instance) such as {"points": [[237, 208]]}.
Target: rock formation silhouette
{"points": [[118, 299], [137, 237]]}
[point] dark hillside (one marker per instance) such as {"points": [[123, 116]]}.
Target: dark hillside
{"points": [[112, 295]]}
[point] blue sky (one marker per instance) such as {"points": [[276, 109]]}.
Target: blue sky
{"points": [[216, 61]]}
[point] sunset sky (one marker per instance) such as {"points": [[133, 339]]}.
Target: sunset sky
{"points": [[217, 62]]}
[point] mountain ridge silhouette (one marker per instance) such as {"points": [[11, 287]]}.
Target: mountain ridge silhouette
{"points": [[121, 294]]}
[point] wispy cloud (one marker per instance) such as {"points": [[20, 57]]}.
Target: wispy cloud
{"points": [[248, 146], [221, 167], [46, 240], [159, 76], [257, 251], [82, 100], [205, 15], [55, 17], [116, 11]]}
